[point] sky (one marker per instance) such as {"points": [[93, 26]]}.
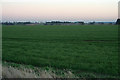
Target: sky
{"points": [[60, 10], [119, 9]]}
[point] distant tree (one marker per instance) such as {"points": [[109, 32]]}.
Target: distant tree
{"points": [[7, 23], [118, 22], [92, 23], [26, 22], [82, 23]]}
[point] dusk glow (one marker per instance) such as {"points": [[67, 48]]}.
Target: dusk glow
{"points": [[65, 10]]}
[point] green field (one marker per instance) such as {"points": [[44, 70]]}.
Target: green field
{"points": [[83, 48]]}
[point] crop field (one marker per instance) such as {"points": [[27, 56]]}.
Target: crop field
{"points": [[83, 48]]}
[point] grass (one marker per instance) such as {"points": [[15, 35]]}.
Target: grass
{"points": [[84, 48]]}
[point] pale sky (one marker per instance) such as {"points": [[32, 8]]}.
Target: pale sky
{"points": [[62, 10]]}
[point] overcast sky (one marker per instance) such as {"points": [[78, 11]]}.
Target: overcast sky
{"points": [[63, 10]]}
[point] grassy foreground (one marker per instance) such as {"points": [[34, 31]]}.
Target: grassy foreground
{"points": [[85, 48]]}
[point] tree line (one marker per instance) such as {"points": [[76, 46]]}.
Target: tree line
{"points": [[59, 23]]}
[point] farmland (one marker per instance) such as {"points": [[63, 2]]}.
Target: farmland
{"points": [[82, 48]]}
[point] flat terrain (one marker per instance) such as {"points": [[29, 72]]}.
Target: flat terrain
{"points": [[83, 48]]}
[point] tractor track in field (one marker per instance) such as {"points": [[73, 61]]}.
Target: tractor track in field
{"points": [[22, 71], [52, 40]]}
